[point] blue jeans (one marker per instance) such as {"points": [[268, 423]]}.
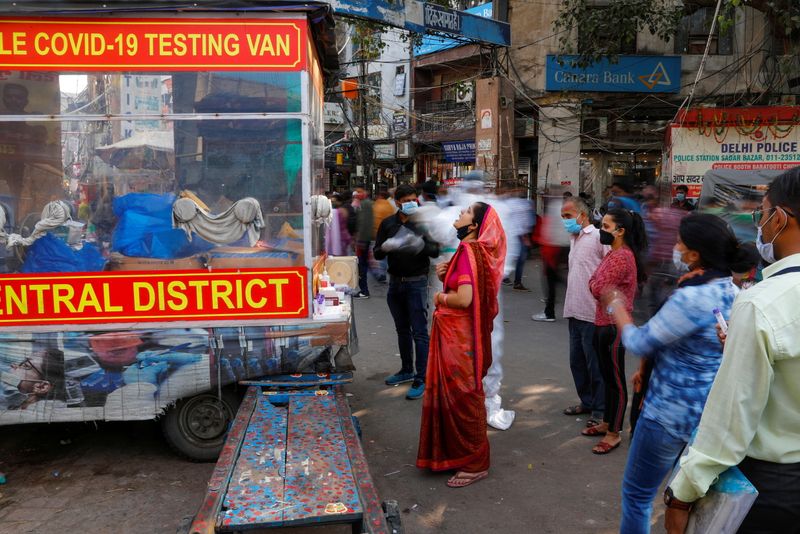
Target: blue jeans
{"points": [[524, 251], [585, 366], [651, 458], [408, 303]]}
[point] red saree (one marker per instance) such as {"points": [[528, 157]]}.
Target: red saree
{"points": [[453, 428]]}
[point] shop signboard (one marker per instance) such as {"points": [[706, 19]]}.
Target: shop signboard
{"points": [[384, 151], [459, 151], [400, 122], [416, 16], [695, 151], [436, 43], [333, 113], [630, 74], [92, 44]]}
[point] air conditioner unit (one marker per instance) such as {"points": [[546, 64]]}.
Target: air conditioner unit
{"points": [[595, 126], [465, 92]]}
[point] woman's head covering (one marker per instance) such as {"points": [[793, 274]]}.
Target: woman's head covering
{"points": [[492, 238]]}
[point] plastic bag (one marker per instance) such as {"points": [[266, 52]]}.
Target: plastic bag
{"points": [[145, 228], [49, 254], [405, 242]]}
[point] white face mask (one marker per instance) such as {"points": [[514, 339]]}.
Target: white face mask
{"points": [[677, 261], [766, 250], [10, 379]]}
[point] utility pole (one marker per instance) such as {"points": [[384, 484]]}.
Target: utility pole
{"points": [[362, 123]]}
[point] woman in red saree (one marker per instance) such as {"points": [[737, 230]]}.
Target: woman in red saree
{"points": [[453, 429]]}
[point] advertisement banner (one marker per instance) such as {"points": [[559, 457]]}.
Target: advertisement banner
{"points": [[139, 296], [135, 374], [97, 44]]}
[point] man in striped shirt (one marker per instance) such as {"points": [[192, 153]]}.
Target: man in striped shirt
{"points": [[585, 255]]}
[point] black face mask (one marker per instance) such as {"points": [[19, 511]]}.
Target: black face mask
{"points": [[463, 232], [606, 238]]}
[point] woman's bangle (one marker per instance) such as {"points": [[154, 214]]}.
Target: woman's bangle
{"points": [[444, 299], [610, 307]]}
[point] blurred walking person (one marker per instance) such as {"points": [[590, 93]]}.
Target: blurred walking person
{"points": [[554, 249], [365, 235], [337, 238], [522, 219]]}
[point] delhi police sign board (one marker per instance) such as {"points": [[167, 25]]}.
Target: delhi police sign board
{"points": [[631, 74]]}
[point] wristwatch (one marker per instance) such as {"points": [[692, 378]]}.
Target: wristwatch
{"points": [[670, 501]]}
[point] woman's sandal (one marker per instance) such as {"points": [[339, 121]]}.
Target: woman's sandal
{"points": [[593, 432], [603, 447], [462, 479]]}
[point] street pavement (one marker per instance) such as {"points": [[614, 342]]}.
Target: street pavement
{"points": [[122, 477]]}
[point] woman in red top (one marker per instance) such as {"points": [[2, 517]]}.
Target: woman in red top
{"points": [[453, 427], [622, 268]]}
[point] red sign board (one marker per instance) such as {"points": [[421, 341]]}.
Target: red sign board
{"points": [[81, 298], [152, 44]]}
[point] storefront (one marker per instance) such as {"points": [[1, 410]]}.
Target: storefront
{"points": [[159, 179], [449, 161]]}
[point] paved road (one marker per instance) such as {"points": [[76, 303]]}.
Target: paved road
{"points": [[122, 478]]}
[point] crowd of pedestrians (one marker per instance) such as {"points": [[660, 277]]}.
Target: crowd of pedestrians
{"points": [[721, 398]]}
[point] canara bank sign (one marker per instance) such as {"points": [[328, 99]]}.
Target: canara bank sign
{"points": [[631, 74]]}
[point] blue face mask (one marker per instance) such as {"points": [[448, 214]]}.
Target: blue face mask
{"points": [[571, 226], [680, 197], [409, 208]]}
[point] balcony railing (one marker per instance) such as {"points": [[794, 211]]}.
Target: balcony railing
{"points": [[445, 116]]}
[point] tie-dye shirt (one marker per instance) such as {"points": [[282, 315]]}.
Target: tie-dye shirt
{"points": [[682, 340]]}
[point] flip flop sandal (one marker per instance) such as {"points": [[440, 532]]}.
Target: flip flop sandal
{"points": [[461, 481], [593, 432], [604, 447], [592, 422], [578, 409]]}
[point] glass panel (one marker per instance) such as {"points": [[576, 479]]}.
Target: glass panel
{"points": [[120, 179], [37, 93]]}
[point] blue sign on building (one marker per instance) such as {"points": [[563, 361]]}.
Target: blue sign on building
{"points": [[631, 74], [459, 151], [435, 43]]}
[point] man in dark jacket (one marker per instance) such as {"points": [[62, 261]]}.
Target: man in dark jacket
{"points": [[409, 251]]}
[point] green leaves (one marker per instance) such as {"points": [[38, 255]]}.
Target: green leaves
{"points": [[595, 32]]}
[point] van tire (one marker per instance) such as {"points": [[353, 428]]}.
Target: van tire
{"points": [[196, 427]]}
